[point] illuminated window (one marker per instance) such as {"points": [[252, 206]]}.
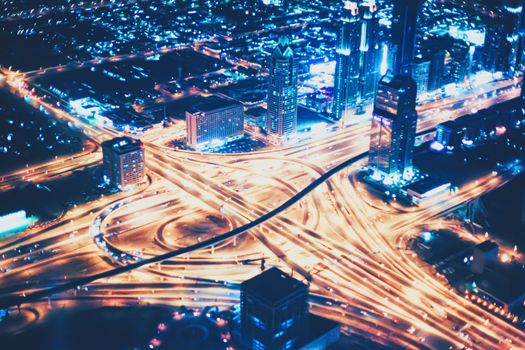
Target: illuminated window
{"points": [[277, 335], [288, 323], [257, 322], [257, 345]]}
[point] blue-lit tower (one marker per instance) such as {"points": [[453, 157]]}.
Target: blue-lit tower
{"points": [[393, 130], [404, 26], [347, 70], [394, 120], [504, 43], [282, 94], [369, 49]]}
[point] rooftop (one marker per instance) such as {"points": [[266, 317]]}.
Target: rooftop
{"points": [[449, 124], [123, 144], [505, 282], [397, 81], [427, 186], [273, 285], [213, 103], [487, 246]]}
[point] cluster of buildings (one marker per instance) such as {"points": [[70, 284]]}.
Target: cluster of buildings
{"points": [[485, 274], [392, 73], [219, 120], [368, 60], [370, 40], [394, 118], [468, 132], [496, 286]]}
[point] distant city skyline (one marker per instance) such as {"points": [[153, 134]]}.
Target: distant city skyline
{"points": [[266, 175]]}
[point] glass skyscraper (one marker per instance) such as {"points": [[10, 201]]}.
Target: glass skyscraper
{"points": [[281, 120], [347, 64], [394, 119], [393, 129], [370, 57], [404, 26]]}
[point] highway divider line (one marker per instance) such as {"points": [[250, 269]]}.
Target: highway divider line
{"points": [[72, 284]]}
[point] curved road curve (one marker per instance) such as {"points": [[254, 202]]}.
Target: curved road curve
{"points": [[18, 300]]}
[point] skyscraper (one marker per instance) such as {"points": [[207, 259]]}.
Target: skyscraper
{"points": [[348, 59], [394, 119], [404, 26], [436, 69], [282, 94], [503, 50], [123, 159], [436, 49], [369, 49], [393, 130], [421, 73], [460, 61], [274, 311]]}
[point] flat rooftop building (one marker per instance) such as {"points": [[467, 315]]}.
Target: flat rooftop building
{"points": [[214, 121], [274, 315], [426, 188], [123, 159], [502, 285]]}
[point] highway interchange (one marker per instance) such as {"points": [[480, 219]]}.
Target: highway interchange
{"points": [[202, 223]]}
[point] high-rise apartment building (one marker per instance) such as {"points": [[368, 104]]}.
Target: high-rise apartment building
{"points": [[281, 123], [123, 159]]}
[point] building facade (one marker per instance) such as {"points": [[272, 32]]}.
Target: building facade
{"points": [[504, 43], [281, 123], [404, 27], [348, 56], [459, 61], [393, 129], [421, 74], [123, 159], [274, 311], [436, 69], [370, 54], [213, 122]]}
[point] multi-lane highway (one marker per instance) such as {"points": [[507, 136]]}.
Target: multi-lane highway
{"points": [[202, 223]]}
